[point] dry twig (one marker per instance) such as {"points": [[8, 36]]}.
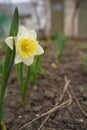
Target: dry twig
{"points": [[77, 101], [67, 82], [48, 112], [67, 85]]}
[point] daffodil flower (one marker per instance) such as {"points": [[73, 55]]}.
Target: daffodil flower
{"points": [[26, 46]]}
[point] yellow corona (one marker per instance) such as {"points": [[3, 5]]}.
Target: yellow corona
{"points": [[26, 47]]}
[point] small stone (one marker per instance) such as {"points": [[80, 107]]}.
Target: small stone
{"points": [[54, 66], [37, 115], [81, 120], [19, 116]]}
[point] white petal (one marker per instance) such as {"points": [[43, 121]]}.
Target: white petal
{"points": [[18, 59], [9, 42], [22, 33], [40, 50], [32, 34], [29, 61]]}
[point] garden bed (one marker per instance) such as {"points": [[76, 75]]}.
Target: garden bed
{"points": [[51, 86]]}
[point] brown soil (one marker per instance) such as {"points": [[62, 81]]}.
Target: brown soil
{"points": [[50, 88]]}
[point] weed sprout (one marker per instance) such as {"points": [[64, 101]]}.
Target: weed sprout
{"points": [[61, 42]]}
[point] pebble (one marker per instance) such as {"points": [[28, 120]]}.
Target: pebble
{"points": [[54, 66]]}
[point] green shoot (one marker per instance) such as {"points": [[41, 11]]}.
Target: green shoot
{"points": [[61, 42]]}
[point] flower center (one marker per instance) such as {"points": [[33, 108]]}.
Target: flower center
{"points": [[27, 47]]}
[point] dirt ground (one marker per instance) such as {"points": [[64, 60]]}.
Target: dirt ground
{"points": [[71, 115]]}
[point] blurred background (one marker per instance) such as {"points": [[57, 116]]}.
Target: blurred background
{"points": [[46, 16]]}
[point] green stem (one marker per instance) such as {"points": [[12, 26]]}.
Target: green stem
{"points": [[34, 83], [19, 70], [26, 85]]}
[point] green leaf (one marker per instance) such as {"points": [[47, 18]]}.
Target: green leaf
{"points": [[10, 53], [13, 32], [4, 80], [9, 60], [15, 22], [8, 69]]}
